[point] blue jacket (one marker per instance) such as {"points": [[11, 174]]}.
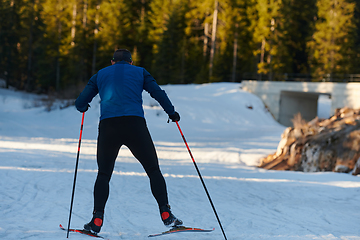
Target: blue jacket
{"points": [[120, 88]]}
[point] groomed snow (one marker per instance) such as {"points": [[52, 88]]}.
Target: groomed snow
{"points": [[227, 129]]}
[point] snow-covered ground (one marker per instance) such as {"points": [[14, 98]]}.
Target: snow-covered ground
{"points": [[227, 129]]}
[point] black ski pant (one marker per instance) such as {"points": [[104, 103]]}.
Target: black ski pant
{"points": [[132, 132]]}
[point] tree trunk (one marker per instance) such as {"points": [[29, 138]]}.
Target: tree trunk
{"points": [[213, 39], [73, 25], [206, 39], [233, 78], [84, 75], [182, 71], [30, 53], [262, 54], [85, 13], [8, 72], [93, 69], [57, 79]]}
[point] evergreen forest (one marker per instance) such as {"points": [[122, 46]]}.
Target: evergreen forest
{"points": [[52, 45]]}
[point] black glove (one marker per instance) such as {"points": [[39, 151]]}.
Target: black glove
{"points": [[87, 107], [175, 117]]}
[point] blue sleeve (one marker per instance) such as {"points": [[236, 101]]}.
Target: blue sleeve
{"points": [[157, 93], [87, 94]]}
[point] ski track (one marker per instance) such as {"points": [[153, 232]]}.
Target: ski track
{"points": [[251, 203]]}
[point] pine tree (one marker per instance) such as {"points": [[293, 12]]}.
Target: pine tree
{"points": [[9, 37], [168, 36], [266, 29], [298, 24], [234, 40], [199, 28], [333, 39]]}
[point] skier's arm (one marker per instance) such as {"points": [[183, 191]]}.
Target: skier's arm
{"points": [[85, 97], [157, 93]]}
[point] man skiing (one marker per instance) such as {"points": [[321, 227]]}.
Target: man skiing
{"points": [[122, 122]]}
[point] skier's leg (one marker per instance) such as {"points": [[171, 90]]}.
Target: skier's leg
{"points": [[108, 147], [142, 147]]}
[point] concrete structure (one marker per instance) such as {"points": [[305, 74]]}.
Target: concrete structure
{"points": [[284, 99]]}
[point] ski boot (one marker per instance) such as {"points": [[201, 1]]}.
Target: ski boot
{"points": [[96, 222], [168, 218]]}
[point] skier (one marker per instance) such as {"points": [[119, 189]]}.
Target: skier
{"points": [[122, 122]]}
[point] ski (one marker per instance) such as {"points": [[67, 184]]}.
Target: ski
{"points": [[82, 231], [182, 229]]}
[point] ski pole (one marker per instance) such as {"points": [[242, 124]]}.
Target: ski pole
{"points": [[202, 181], [76, 167]]}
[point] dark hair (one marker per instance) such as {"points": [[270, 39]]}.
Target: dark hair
{"points": [[122, 55]]}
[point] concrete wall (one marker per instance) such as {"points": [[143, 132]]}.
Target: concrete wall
{"points": [[292, 103], [342, 94]]}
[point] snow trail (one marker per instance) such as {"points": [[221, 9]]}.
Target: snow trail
{"points": [[38, 153]]}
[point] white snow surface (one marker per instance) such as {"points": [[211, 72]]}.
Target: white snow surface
{"points": [[228, 131]]}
